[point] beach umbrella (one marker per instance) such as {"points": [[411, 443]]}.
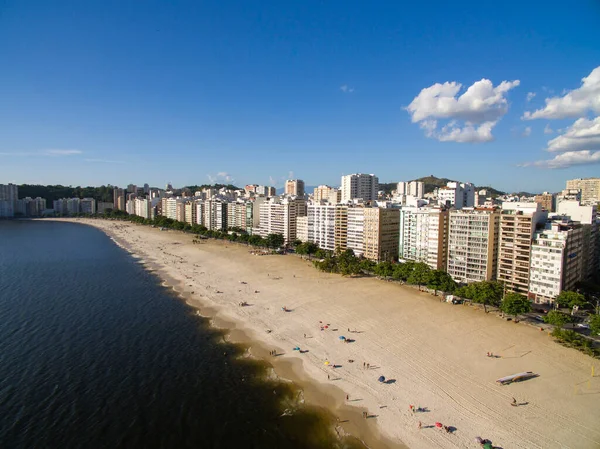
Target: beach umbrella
{"points": [[341, 337], [381, 379], [487, 445], [438, 424], [326, 363]]}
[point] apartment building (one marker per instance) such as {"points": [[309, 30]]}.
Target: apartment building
{"points": [[278, 216], [9, 194], [236, 215], [359, 186], [302, 229], [143, 208], [473, 244], [103, 206], [118, 199], [30, 207], [191, 212], [381, 233], [355, 230], [411, 188], [215, 215], [424, 235], [589, 187], [546, 200], [294, 187], [324, 193], [518, 224], [88, 206], [588, 216], [556, 260], [457, 195], [73, 206], [321, 225], [341, 227]]}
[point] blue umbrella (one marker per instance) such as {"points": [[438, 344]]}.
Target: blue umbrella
{"points": [[381, 378], [341, 337]]}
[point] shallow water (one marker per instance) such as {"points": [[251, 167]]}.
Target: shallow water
{"points": [[95, 353]]}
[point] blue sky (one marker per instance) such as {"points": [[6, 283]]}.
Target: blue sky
{"points": [[254, 92]]}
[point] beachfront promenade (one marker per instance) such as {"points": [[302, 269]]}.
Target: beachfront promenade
{"points": [[432, 354]]}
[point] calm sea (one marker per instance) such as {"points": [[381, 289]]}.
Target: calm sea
{"points": [[95, 353]]}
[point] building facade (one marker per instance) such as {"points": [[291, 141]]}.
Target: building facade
{"points": [[294, 187], [302, 229], [589, 187], [473, 244], [518, 224], [546, 200], [278, 216], [359, 186], [381, 230], [556, 260], [321, 225], [9, 194]]}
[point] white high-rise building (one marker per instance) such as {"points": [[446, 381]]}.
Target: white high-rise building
{"points": [[355, 230], [143, 208], [411, 188], [359, 186], [457, 195], [278, 216], [9, 194], [473, 244], [302, 229], [424, 235], [556, 260], [88, 206], [321, 225], [73, 206]]}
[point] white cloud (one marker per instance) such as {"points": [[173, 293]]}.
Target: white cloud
{"points": [[62, 152], [568, 159], [530, 96], [480, 108], [221, 177], [574, 103], [526, 131], [347, 89], [578, 144], [547, 129], [584, 134]]}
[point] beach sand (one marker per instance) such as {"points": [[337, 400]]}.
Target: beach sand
{"points": [[432, 353]]}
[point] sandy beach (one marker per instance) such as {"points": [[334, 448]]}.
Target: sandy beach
{"points": [[433, 354]]}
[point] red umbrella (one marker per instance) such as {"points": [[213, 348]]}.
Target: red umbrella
{"points": [[438, 424]]}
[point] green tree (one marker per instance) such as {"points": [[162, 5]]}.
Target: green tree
{"points": [[367, 265], [557, 319], [488, 293], [402, 271], [440, 280], [384, 269], [420, 274], [515, 304], [569, 299], [595, 324], [347, 263], [275, 241], [256, 240]]}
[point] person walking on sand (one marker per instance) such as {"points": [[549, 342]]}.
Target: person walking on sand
{"points": [[419, 425], [347, 397], [328, 378], [514, 402]]}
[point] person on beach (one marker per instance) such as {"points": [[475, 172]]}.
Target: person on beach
{"points": [[419, 425], [328, 377], [347, 397], [514, 402]]}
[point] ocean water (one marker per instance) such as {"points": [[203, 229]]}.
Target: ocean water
{"points": [[95, 353]]}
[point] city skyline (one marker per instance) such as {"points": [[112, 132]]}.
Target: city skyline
{"points": [[100, 94]]}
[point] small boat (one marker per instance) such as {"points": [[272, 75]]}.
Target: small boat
{"points": [[516, 377]]}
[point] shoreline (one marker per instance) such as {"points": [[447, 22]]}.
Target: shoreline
{"points": [[433, 352], [288, 369]]}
